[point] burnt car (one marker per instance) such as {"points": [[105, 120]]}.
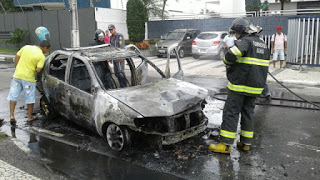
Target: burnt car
{"points": [[82, 85]]}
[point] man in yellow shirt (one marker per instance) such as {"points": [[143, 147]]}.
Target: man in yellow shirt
{"points": [[28, 61]]}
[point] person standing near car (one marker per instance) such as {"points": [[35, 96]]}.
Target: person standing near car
{"points": [[278, 46], [117, 40], [28, 61], [229, 39], [98, 38], [247, 67]]}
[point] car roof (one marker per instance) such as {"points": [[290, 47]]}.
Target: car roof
{"points": [[101, 52], [217, 32], [183, 30]]}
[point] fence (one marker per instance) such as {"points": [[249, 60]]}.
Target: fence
{"points": [[303, 41], [58, 23]]}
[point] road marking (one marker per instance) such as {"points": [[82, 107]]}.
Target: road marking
{"points": [[47, 132], [315, 148], [21, 146], [10, 172]]}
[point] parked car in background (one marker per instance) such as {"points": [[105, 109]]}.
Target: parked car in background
{"points": [[80, 84], [181, 37], [209, 44]]}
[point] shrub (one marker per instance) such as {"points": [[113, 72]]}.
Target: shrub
{"points": [[18, 36], [136, 18]]}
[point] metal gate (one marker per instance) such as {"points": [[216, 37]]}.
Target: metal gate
{"points": [[303, 41]]}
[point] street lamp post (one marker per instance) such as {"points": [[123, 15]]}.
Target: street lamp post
{"points": [[75, 37]]}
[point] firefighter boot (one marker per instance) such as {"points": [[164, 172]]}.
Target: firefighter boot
{"points": [[220, 148], [243, 146]]}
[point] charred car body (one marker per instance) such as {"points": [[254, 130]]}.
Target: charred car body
{"points": [[82, 85]]}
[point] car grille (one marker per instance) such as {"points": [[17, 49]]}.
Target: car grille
{"points": [[172, 124]]}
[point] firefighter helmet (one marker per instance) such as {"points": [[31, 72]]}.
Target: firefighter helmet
{"points": [[98, 33], [239, 25]]}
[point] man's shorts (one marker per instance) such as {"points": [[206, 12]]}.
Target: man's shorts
{"points": [[28, 88], [279, 52]]}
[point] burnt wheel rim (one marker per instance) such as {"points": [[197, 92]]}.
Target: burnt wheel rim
{"points": [[115, 137], [45, 108]]}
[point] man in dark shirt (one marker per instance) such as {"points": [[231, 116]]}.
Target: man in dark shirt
{"points": [[117, 40]]}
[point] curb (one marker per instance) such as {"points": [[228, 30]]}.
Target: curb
{"points": [[6, 60], [296, 82]]}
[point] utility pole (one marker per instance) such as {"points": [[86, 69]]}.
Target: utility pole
{"points": [[75, 37]]}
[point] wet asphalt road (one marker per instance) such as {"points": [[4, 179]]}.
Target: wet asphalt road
{"points": [[286, 144]]}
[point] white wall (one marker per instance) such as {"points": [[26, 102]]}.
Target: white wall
{"points": [[232, 6], [118, 4], [118, 17]]}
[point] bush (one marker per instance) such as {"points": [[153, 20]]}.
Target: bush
{"points": [[153, 40], [18, 36], [141, 45], [136, 18]]}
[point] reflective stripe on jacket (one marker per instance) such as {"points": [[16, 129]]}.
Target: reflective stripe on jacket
{"points": [[248, 63]]}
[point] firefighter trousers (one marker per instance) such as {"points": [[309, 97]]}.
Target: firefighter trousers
{"points": [[234, 105]]}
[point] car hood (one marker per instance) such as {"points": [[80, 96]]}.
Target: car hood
{"points": [[164, 98], [167, 43]]}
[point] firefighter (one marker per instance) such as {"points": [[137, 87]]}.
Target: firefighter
{"points": [[247, 67], [98, 38]]}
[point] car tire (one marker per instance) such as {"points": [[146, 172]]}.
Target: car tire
{"points": [[182, 53], [46, 108], [159, 56], [196, 56], [118, 137]]}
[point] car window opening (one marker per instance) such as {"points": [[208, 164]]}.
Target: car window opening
{"points": [[58, 67], [80, 77]]}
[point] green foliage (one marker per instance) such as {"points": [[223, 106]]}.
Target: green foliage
{"points": [[18, 36], [8, 6], [253, 5], [152, 7], [153, 40], [136, 18]]}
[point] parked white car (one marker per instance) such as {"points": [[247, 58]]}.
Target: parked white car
{"points": [[209, 44]]}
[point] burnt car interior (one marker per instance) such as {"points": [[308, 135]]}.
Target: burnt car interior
{"points": [[58, 66], [80, 77]]}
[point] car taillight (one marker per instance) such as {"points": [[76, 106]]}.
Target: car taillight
{"points": [[216, 42], [194, 43]]}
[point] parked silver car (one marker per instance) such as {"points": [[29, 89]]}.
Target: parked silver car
{"points": [[81, 85], [182, 38], [209, 43]]}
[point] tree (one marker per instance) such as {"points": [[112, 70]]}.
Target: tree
{"points": [[163, 7], [282, 2], [8, 6], [152, 7], [136, 18], [253, 5]]}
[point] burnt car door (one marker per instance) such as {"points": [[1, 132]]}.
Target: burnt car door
{"points": [[80, 90], [173, 66], [54, 81]]}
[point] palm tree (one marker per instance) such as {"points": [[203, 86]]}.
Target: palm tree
{"points": [[282, 2], [152, 7]]}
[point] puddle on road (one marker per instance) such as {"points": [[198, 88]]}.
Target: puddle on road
{"points": [[80, 164]]}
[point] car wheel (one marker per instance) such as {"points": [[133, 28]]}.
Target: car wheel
{"points": [[118, 137], [46, 108], [221, 55], [159, 56], [196, 56], [181, 53]]}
